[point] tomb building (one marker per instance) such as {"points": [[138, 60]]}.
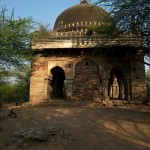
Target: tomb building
{"points": [[75, 63]]}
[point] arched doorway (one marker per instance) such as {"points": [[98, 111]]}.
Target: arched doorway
{"points": [[87, 80], [116, 85], [57, 82]]}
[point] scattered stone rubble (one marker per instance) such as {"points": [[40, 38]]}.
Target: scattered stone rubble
{"points": [[12, 114], [52, 135]]}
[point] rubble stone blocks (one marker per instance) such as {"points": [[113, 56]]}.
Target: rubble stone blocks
{"points": [[52, 135]]}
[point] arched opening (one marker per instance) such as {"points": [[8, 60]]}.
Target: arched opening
{"points": [[116, 85], [57, 82], [87, 81]]}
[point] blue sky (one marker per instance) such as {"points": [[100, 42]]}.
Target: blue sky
{"points": [[43, 11]]}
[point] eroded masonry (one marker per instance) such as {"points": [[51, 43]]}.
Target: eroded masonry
{"points": [[73, 64]]}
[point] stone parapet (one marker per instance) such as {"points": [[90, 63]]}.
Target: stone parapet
{"points": [[87, 41]]}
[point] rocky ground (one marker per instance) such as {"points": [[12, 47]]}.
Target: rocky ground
{"points": [[47, 127]]}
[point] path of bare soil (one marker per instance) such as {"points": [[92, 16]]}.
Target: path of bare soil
{"points": [[90, 128]]}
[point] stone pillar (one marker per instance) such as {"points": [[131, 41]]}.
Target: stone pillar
{"points": [[130, 89], [105, 88], [126, 90], [49, 89], [69, 83], [111, 91], [121, 89], [46, 88]]}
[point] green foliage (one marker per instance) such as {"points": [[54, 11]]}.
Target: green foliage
{"points": [[22, 75], [4, 76], [15, 40], [12, 92], [43, 32], [106, 30], [15, 55], [130, 15], [16, 87], [148, 75]]}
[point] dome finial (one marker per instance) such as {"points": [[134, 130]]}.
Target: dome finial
{"points": [[83, 1]]}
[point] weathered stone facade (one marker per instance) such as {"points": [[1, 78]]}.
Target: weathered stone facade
{"points": [[70, 66]]}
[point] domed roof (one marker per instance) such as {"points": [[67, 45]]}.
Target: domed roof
{"points": [[82, 12]]}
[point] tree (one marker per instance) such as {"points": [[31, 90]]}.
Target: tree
{"points": [[130, 15], [15, 54], [42, 32], [15, 40], [15, 85], [22, 76]]}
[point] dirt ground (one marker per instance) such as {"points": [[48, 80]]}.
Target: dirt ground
{"points": [[90, 128]]}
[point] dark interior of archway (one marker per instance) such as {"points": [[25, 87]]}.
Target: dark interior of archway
{"points": [[115, 73], [58, 82]]}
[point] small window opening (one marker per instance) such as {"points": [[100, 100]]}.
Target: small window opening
{"points": [[137, 78], [87, 64]]}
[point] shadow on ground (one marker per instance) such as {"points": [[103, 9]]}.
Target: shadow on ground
{"points": [[91, 128]]}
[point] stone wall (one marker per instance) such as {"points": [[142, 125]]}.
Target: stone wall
{"points": [[38, 88], [86, 78], [138, 80]]}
